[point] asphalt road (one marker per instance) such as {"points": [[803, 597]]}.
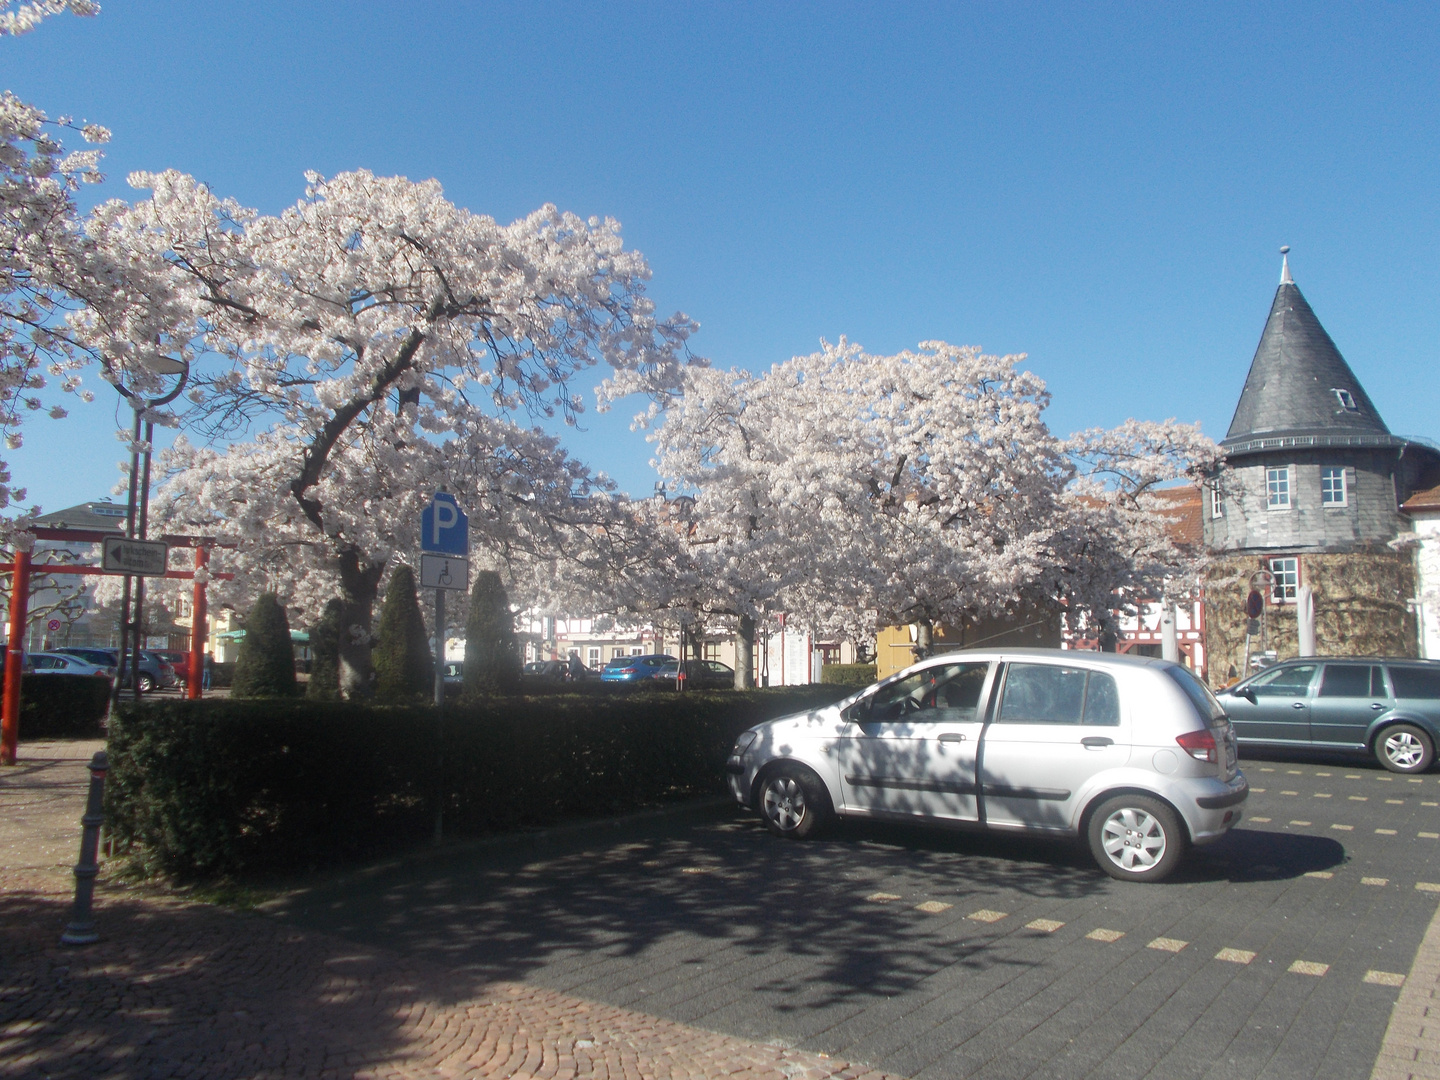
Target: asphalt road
{"points": [[1277, 952]]}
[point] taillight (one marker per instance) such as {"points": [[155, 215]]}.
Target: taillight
{"points": [[1200, 745]]}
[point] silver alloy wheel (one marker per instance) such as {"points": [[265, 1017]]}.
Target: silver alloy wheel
{"points": [[1403, 749], [1133, 839], [784, 802]]}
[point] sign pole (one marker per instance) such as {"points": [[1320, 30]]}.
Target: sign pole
{"points": [[439, 715]]}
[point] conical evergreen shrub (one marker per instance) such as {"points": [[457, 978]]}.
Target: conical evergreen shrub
{"points": [[404, 666], [265, 667], [325, 655], [492, 655]]}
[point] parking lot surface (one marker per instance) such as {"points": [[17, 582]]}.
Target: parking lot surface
{"points": [[1278, 952]]}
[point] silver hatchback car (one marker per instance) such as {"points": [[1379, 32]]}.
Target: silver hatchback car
{"points": [[1134, 755]]}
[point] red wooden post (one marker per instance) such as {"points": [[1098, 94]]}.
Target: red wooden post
{"points": [[15, 657], [198, 627]]}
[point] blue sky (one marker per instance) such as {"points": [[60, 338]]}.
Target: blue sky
{"points": [[1103, 187]]}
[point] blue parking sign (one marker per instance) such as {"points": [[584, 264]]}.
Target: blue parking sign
{"points": [[444, 528]]}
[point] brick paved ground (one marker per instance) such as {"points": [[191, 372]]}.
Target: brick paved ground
{"points": [[1279, 953], [182, 989]]}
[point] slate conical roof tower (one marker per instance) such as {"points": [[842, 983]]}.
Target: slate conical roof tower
{"points": [[1310, 465], [1300, 387]]}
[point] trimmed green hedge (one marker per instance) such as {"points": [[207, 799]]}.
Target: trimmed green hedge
{"points": [[215, 787], [848, 674], [62, 706]]}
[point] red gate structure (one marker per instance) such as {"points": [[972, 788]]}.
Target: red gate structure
{"points": [[20, 571]]}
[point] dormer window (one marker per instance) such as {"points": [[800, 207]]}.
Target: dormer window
{"points": [[1346, 399]]}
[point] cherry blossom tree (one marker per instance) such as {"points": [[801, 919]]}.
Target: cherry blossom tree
{"points": [[846, 487], [376, 341], [851, 489], [45, 265]]}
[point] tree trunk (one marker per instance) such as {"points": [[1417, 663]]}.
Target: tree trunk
{"points": [[745, 654], [359, 584], [924, 639]]}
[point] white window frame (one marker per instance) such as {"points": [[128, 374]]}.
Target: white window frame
{"points": [[1346, 399], [1217, 502], [1330, 472], [592, 656], [1277, 488], [1283, 591]]}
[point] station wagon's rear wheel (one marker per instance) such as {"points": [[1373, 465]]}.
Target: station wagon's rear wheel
{"points": [[793, 802], [1404, 748], [1136, 838]]}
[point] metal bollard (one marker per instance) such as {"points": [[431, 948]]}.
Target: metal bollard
{"points": [[81, 930]]}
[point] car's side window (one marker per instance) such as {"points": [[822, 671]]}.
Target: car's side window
{"points": [[1285, 682], [40, 663], [1043, 694], [932, 695], [1346, 680], [1047, 694], [1414, 682], [1102, 700]]}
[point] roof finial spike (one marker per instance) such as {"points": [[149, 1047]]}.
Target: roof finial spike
{"points": [[1285, 278]]}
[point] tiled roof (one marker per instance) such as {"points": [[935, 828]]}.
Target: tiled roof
{"points": [[1291, 388], [1423, 500], [1181, 507]]}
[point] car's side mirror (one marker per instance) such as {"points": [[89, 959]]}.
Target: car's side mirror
{"points": [[1246, 693], [859, 712]]}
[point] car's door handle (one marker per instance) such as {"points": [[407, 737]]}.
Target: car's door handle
{"points": [[1377, 705], [1298, 705], [1095, 742], [952, 737]]}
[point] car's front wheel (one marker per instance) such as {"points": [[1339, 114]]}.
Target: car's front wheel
{"points": [[1405, 748], [793, 801], [1136, 838]]}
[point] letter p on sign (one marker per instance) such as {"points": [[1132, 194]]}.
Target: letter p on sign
{"points": [[444, 528]]}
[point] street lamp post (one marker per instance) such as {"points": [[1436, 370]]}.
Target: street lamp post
{"points": [[138, 508]]}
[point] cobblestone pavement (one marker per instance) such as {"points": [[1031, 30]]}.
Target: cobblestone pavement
{"points": [[1279, 952], [183, 989]]}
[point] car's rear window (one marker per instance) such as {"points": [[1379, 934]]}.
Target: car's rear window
{"points": [[1415, 682], [1199, 694]]}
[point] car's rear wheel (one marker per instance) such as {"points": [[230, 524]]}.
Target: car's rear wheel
{"points": [[1405, 748], [793, 801], [147, 684], [1136, 838]]}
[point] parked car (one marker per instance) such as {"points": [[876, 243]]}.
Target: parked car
{"points": [[1133, 755], [1384, 706], [180, 661], [699, 675], [634, 669], [547, 670], [49, 663], [155, 673]]}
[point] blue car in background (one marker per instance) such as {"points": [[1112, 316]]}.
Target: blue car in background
{"points": [[639, 669]]}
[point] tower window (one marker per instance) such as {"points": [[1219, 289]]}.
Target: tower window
{"points": [[1277, 488], [1346, 399], [1217, 502], [1286, 572], [1333, 491]]}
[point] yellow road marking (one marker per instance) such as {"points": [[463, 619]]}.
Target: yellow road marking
{"points": [[1235, 956], [1102, 934], [1384, 978], [1308, 967], [1167, 944], [882, 897], [1374, 881], [986, 915], [933, 907], [1048, 926]]}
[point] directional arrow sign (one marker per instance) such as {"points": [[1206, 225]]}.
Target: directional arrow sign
{"points": [[444, 572], [144, 557], [444, 528]]}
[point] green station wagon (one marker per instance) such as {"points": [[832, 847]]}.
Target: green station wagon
{"points": [[1387, 707]]}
